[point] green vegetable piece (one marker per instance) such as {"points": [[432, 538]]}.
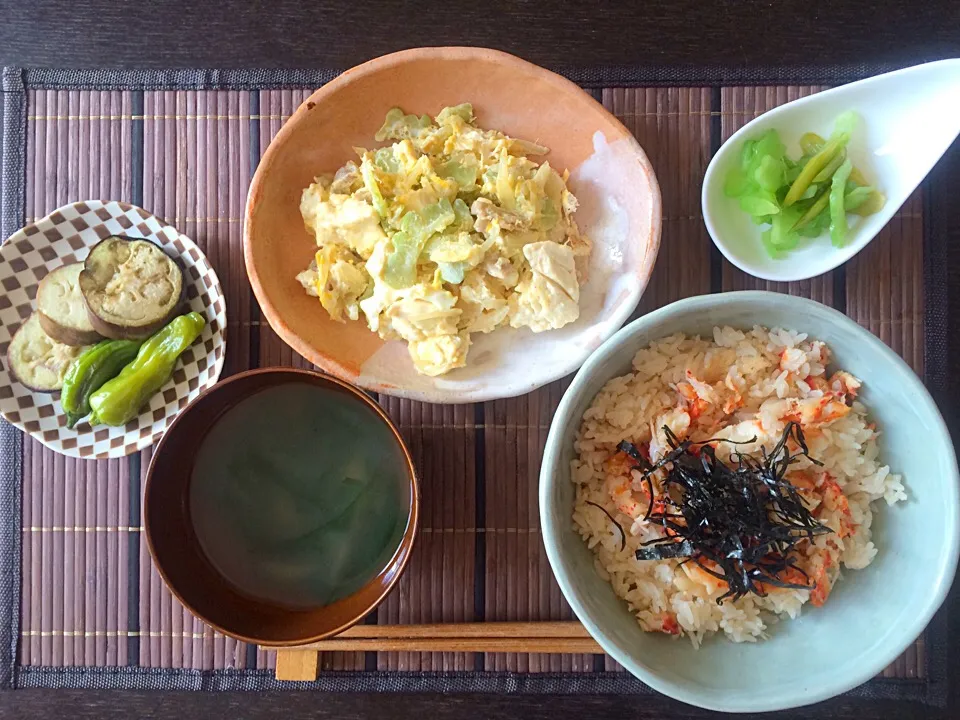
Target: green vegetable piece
{"points": [[90, 371], [415, 229], [847, 123], [397, 126], [464, 110], [855, 197], [793, 173], [768, 145], [756, 205], [452, 272], [370, 182], [465, 176], [857, 177], [400, 269], [781, 230], [819, 205], [769, 173], [747, 153], [873, 204], [831, 167], [772, 250], [736, 183], [386, 160], [437, 217], [838, 215], [119, 400], [462, 217], [817, 163]]}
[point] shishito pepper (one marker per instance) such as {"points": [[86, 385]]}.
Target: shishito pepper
{"points": [[90, 371], [119, 400]]}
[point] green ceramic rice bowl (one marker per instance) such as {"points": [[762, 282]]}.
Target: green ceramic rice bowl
{"points": [[872, 614]]}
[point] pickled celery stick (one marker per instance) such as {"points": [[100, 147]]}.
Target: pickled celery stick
{"points": [[856, 197], [819, 205], [846, 122], [827, 172], [813, 168], [858, 177], [755, 205], [817, 227], [772, 250], [769, 173], [811, 143], [768, 145], [736, 183], [838, 215], [781, 231], [873, 204]]}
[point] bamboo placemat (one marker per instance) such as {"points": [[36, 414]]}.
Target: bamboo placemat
{"points": [[88, 609]]}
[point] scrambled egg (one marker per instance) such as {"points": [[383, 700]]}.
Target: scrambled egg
{"points": [[451, 230]]}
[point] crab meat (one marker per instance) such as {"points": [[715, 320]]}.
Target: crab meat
{"points": [[835, 501], [821, 586], [844, 384], [669, 624], [809, 412], [704, 391], [697, 574], [678, 420]]}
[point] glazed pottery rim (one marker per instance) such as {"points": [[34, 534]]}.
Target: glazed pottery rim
{"points": [[552, 529], [404, 549], [329, 363]]}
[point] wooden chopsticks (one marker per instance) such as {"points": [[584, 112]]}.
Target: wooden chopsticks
{"points": [[299, 663]]}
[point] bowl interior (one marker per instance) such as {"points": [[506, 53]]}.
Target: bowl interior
{"points": [[611, 176], [177, 551], [872, 614]]}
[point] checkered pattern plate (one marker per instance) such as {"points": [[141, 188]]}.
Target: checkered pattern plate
{"points": [[65, 236]]}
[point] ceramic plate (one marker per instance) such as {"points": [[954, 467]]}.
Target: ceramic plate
{"points": [[65, 236], [609, 173]]}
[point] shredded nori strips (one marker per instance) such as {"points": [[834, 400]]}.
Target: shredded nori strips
{"points": [[623, 535], [744, 518]]}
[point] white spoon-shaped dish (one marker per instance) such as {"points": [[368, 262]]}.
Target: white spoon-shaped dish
{"points": [[908, 120]]}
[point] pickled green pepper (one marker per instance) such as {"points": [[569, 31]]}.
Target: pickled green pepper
{"points": [[90, 371], [119, 400]]}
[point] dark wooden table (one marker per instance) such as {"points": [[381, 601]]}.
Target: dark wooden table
{"points": [[725, 37]]}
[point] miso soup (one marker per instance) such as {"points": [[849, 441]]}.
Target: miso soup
{"points": [[299, 495]]}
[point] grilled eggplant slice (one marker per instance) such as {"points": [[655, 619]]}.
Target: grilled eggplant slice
{"points": [[62, 310], [36, 360], [131, 287]]}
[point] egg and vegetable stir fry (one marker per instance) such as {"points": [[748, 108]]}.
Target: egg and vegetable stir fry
{"points": [[451, 230]]}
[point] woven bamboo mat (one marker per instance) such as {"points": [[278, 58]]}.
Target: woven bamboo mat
{"points": [[89, 594]]}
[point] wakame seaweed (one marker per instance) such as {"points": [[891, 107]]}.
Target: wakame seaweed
{"points": [[743, 517]]}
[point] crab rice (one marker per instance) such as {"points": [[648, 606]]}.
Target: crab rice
{"points": [[741, 392]]}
